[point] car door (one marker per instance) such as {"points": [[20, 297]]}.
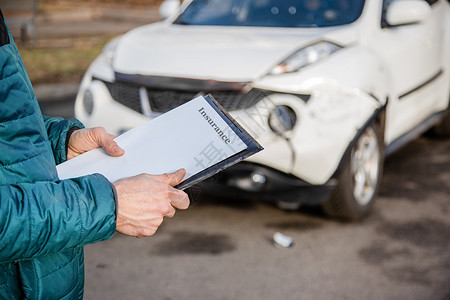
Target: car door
{"points": [[412, 55]]}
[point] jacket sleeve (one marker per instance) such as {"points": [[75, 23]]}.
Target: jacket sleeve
{"points": [[57, 129], [47, 217]]}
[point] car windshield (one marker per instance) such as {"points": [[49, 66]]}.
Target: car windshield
{"points": [[271, 13]]}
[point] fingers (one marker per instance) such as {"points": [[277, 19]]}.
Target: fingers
{"points": [[178, 199], [83, 140], [171, 179], [170, 213], [106, 141], [145, 200]]}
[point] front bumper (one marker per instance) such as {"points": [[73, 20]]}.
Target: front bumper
{"points": [[328, 118], [254, 181]]}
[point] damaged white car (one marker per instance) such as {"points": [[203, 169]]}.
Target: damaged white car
{"points": [[327, 87]]}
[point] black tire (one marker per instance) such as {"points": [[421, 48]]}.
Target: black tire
{"points": [[352, 200]]}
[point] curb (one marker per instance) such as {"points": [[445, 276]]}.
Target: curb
{"points": [[55, 92]]}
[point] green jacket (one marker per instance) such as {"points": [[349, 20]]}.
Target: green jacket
{"points": [[44, 221]]}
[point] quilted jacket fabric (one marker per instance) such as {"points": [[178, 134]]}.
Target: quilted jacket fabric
{"points": [[44, 221]]}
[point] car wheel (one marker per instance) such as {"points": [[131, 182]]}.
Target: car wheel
{"points": [[360, 177]]}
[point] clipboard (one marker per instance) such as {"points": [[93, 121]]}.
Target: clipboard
{"points": [[199, 136]]}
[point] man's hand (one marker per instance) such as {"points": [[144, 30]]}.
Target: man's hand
{"points": [[145, 200], [83, 140]]}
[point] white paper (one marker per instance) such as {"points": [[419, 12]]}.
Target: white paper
{"points": [[181, 138]]}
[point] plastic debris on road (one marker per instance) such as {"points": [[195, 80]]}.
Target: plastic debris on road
{"points": [[282, 240]]}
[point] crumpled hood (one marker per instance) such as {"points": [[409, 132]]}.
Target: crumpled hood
{"points": [[238, 54]]}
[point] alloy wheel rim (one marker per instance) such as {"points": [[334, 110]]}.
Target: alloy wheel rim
{"points": [[365, 160]]}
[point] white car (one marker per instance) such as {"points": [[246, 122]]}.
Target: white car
{"points": [[328, 87]]}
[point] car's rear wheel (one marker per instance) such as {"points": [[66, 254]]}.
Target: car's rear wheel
{"points": [[360, 177]]}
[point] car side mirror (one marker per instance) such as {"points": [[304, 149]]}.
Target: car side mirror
{"points": [[403, 12], [168, 8]]}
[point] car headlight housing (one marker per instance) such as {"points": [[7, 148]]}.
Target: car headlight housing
{"points": [[304, 57], [110, 49]]}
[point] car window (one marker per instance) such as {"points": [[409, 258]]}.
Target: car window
{"points": [[271, 13]]}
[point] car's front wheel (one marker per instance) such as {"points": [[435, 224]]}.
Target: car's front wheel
{"points": [[360, 177]]}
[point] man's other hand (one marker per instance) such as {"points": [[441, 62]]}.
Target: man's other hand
{"points": [[83, 140], [145, 200]]}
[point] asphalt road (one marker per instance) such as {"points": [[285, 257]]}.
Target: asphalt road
{"points": [[223, 249]]}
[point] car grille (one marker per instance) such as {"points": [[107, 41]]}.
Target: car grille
{"points": [[162, 101], [126, 94]]}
